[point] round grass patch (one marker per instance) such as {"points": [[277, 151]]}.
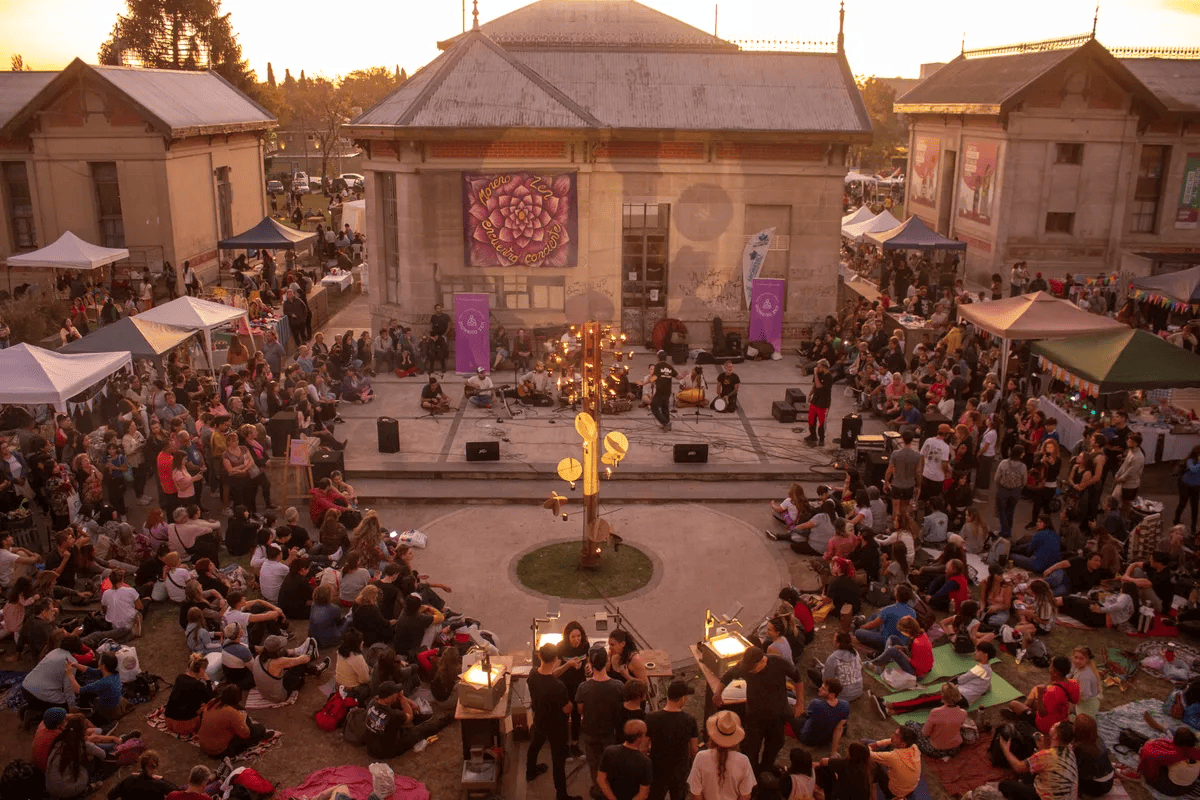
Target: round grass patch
{"points": [[554, 570]]}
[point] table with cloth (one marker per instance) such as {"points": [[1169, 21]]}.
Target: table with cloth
{"points": [[1174, 446]]}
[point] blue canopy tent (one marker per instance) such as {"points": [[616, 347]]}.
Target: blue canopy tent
{"points": [[914, 234]]}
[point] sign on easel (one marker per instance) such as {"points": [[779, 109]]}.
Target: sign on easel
{"points": [[297, 463]]}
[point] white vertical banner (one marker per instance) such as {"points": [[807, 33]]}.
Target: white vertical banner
{"points": [[753, 257]]}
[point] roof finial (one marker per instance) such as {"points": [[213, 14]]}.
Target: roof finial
{"points": [[1096, 19], [841, 42], [475, 14], [964, 44]]}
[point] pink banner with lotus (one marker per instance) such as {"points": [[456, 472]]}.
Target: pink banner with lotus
{"points": [[520, 219], [472, 332], [766, 311]]}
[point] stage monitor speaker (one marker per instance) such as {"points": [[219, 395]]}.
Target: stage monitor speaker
{"points": [[483, 451], [796, 397], [388, 432], [933, 420], [783, 412], [872, 467], [851, 428], [691, 454], [279, 428], [325, 462]]}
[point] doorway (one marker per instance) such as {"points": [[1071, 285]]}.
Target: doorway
{"points": [[946, 187], [644, 262]]}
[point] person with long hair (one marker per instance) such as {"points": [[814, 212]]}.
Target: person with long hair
{"points": [[390, 668], [353, 579], [1091, 688], [1096, 774], [915, 657], [367, 618], [444, 682], [846, 778], [721, 771], [225, 730], [352, 673], [810, 538], [144, 784], [624, 661], [572, 660], [1038, 619], [794, 508], [296, 593], [368, 540], [190, 692], [72, 759]]}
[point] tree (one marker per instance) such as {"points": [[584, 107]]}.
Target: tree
{"points": [[178, 34], [288, 80], [270, 75], [321, 109], [18, 63], [889, 135], [363, 88]]}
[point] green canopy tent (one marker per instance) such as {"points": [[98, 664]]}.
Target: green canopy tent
{"points": [[1119, 360]]}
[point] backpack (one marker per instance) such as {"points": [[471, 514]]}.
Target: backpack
{"points": [[999, 552], [924, 614], [128, 751], [21, 781], [355, 729], [878, 595], [333, 713], [963, 643], [1021, 744]]}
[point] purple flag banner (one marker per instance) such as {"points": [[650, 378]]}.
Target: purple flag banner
{"points": [[766, 311], [472, 342]]}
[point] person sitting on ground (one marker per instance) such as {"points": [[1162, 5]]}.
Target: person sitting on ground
{"points": [[325, 623], [394, 724], [1171, 766], [279, 671], [352, 674], [143, 784], [1050, 703], [73, 761], [811, 538], [1096, 775], [911, 650], [1042, 551], [433, 398], [794, 508], [950, 592], [1077, 576], [479, 389], [296, 593], [941, 734], [846, 778], [1038, 619], [825, 717], [971, 685], [884, 625], [225, 730], [964, 627], [896, 763], [1051, 772], [843, 665], [189, 694], [103, 693]]}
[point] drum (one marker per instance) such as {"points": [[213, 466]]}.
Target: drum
{"points": [[692, 396], [719, 404]]}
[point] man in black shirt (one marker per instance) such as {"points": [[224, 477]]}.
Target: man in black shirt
{"points": [[660, 406], [1078, 575], [818, 403], [433, 399], [410, 626], [551, 714], [766, 703], [674, 741], [392, 727], [439, 323], [728, 382], [625, 771], [1157, 572], [598, 698]]}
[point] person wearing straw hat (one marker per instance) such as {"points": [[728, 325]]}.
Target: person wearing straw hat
{"points": [[722, 772]]}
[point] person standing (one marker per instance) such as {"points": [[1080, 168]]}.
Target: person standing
{"points": [[767, 709], [551, 716], [901, 476], [985, 455], [1016, 281], [274, 354], [721, 772], [660, 405], [439, 324], [191, 284], [934, 466], [1129, 474], [599, 700], [727, 383], [674, 742], [1010, 480], [296, 310], [819, 401], [625, 770]]}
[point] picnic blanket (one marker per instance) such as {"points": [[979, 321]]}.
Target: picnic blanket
{"points": [[1157, 628], [358, 781], [1184, 654], [1132, 715], [158, 721], [970, 767], [920, 793], [1070, 622], [11, 696], [949, 664], [1001, 691], [256, 702]]}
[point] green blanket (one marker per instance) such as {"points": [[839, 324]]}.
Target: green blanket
{"points": [[949, 664], [1001, 691]]}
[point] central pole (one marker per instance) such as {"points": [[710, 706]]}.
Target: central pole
{"points": [[592, 380]]}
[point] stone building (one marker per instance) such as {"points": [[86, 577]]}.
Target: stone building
{"points": [[161, 162], [652, 148], [1062, 154]]}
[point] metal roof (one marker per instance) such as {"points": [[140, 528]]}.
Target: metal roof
{"points": [[595, 23], [1174, 81], [177, 102], [984, 83], [17, 89], [477, 84]]}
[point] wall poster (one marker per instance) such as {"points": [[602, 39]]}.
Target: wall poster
{"points": [[520, 219], [977, 179], [1187, 217], [927, 163]]}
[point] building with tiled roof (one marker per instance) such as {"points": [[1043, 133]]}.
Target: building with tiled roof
{"points": [[661, 148]]}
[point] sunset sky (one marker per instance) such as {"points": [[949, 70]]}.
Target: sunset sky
{"points": [[883, 37]]}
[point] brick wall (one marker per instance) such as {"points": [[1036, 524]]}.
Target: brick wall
{"points": [[770, 152], [481, 150], [686, 150]]}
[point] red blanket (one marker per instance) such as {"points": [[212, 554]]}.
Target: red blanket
{"points": [[970, 767], [1158, 628], [358, 781]]}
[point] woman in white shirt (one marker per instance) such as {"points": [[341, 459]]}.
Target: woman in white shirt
{"points": [[175, 577], [721, 772]]}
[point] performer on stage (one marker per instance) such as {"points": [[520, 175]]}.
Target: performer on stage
{"points": [[660, 406], [534, 387], [728, 381], [479, 389], [433, 398], [439, 348], [569, 385], [818, 403], [692, 388]]}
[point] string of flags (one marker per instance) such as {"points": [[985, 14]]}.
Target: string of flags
{"points": [[1177, 306], [1074, 381], [90, 403]]}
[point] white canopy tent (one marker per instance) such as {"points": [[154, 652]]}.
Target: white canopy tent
{"points": [[33, 375], [862, 214], [859, 230], [194, 314], [354, 214], [858, 177], [69, 252]]}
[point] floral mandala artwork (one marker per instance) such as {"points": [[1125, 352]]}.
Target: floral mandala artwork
{"points": [[520, 219]]}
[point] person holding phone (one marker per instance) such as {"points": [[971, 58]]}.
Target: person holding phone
{"points": [[572, 654]]}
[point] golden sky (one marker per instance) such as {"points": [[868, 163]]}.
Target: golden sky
{"points": [[883, 37]]}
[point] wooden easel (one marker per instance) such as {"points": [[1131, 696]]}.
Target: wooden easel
{"points": [[297, 463]]}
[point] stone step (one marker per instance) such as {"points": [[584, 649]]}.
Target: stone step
{"points": [[374, 492], [501, 471]]}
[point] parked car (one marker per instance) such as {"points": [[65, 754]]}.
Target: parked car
{"points": [[300, 183], [275, 187], [351, 178], [314, 185]]}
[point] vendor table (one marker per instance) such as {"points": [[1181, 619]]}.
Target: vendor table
{"points": [[343, 281], [712, 684], [485, 725], [1155, 436], [910, 329]]}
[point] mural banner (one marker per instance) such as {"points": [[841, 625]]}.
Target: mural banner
{"points": [[766, 311], [977, 179], [753, 258], [927, 163], [520, 219], [472, 332], [1188, 215]]}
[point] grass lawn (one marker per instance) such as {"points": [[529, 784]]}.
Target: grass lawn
{"points": [[554, 570]]}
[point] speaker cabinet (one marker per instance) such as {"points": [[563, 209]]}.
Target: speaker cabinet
{"points": [[483, 451], [796, 397], [388, 432], [783, 412], [325, 462], [279, 428], [691, 454], [851, 429]]}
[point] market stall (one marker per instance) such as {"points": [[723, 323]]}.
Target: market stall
{"points": [[68, 252], [914, 234], [1180, 291], [1126, 361], [194, 314], [33, 375], [860, 214], [267, 235], [143, 338], [1033, 317], [881, 223]]}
